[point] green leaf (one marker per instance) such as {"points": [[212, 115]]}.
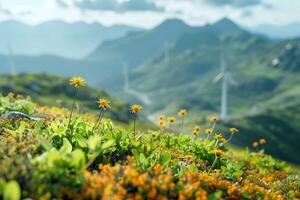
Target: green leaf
{"points": [[107, 144], [78, 159], [44, 143], [66, 147], [215, 196], [94, 142], [12, 191], [136, 154], [2, 185], [165, 158]]}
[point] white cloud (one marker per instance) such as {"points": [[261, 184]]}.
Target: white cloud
{"points": [[194, 12]]}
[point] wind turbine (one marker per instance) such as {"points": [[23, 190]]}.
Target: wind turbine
{"points": [[126, 77], [166, 48], [226, 79], [11, 61]]}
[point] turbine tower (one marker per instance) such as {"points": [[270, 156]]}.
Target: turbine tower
{"points": [[226, 78], [11, 61], [166, 48], [126, 77]]}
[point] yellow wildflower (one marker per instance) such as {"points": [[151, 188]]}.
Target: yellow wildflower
{"points": [[77, 82], [262, 141], [208, 131], [220, 138], [104, 104], [218, 152], [255, 144], [161, 117], [214, 119], [182, 112], [136, 108], [196, 130], [172, 119], [10, 95], [233, 130]]}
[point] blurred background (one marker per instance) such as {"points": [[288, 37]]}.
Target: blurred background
{"points": [[238, 59]]}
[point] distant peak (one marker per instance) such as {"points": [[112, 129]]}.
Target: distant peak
{"points": [[226, 24], [169, 23]]}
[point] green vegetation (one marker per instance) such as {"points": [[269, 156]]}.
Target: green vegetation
{"points": [[56, 159]]}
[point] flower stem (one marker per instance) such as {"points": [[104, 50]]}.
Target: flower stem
{"points": [[216, 158], [182, 125], [100, 117], [134, 122], [229, 138], [73, 106]]}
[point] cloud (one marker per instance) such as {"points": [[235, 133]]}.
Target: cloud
{"points": [[247, 13], [114, 5], [62, 3], [5, 11], [234, 3]]}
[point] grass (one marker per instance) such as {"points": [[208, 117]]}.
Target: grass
{"points": [[52, 159]]}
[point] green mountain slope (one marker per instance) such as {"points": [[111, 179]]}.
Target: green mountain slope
{"points": [[55, 91]]}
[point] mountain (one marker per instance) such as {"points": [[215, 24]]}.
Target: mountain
{"points": [[266, 73], [136, 47], [72, 40], [291, 30]]}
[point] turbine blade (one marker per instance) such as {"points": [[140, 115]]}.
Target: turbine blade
{"points": [[218, 77]]}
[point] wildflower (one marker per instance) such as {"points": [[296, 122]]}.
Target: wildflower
{"points": [[208, 131], [219, 137], [10, 95], [214, 119], [218, 152], [77, 82], [172, 119], [162, 124], [233, 130], [262, 141], [18, 97], [136, 108], [182, 113], [161, 117], [104, 104], [255, 144], [195, 133], [196, 130]]}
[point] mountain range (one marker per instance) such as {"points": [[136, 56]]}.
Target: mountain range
{"points": [[71, 40], [291, 30]]}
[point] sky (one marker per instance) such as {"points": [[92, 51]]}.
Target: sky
{"points": [[149, 13]]}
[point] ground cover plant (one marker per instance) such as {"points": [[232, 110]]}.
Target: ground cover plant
{"points": [[68, 155]]}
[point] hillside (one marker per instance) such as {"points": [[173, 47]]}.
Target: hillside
{"points": [[53, 90], [71, 40], [54, 159]]}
